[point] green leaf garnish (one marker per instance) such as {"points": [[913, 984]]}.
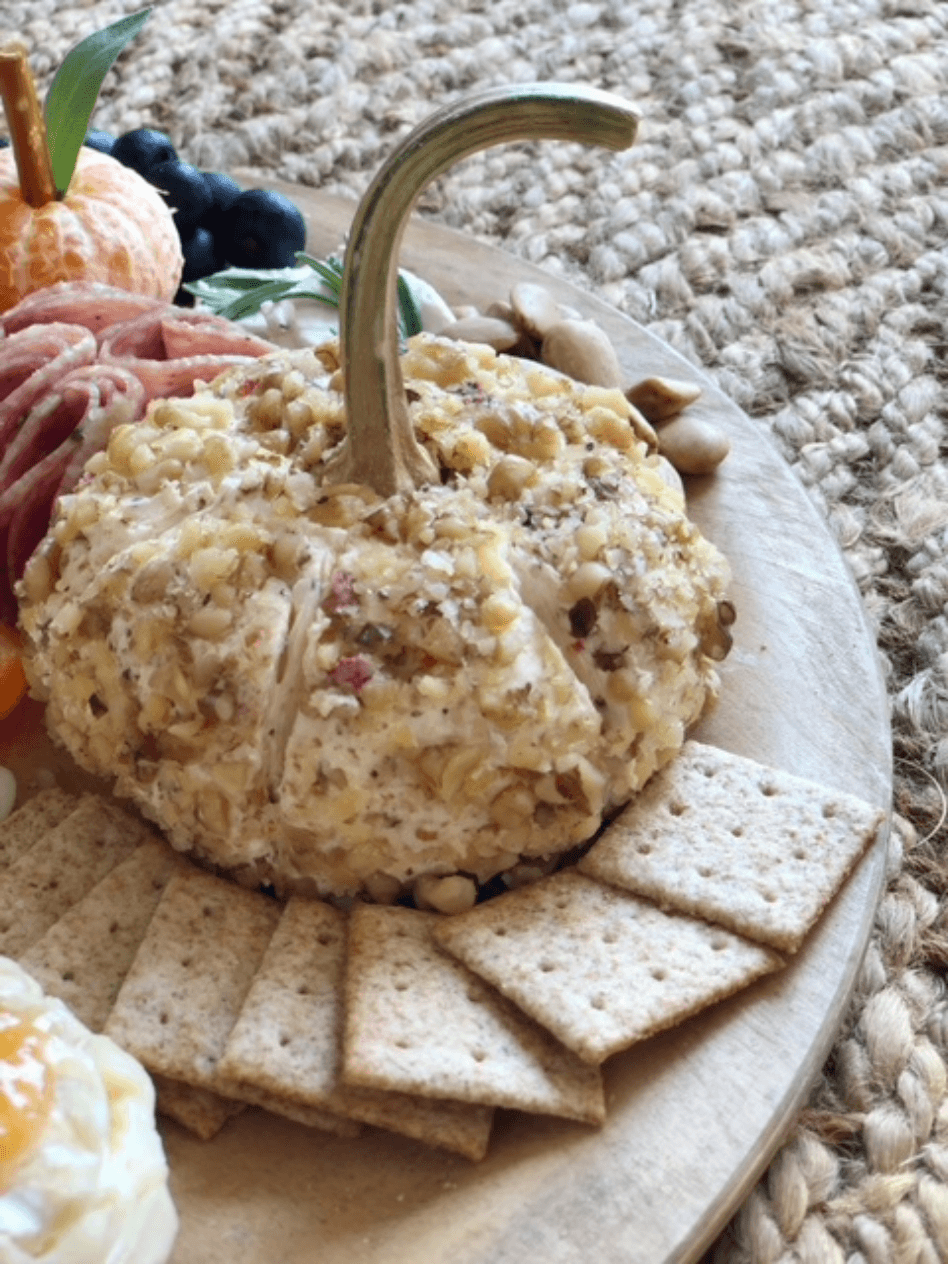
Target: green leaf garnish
{"points": [[408, 314], [75, 88], [239, 292]]}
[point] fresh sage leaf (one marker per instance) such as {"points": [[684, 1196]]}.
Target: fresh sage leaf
{"points": [[75, 88], [409, 315]]}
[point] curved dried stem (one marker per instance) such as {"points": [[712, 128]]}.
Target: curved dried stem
{"points": [[380, 448]]}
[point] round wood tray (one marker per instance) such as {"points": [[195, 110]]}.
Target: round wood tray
{"points": [[693, 1114]]}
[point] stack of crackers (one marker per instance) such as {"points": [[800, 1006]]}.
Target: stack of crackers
{"points": [[412, 1021]]}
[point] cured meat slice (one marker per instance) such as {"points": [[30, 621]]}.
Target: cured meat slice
{"points": [[169, 349], [90, 304], [32, 361], [48, 452], [76, 360]]}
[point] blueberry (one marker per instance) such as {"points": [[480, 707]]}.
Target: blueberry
{"points": [[104, 142], [4, 143], [224, 192], [200, 256], [184, 189], [262, 229], [143, 149]]}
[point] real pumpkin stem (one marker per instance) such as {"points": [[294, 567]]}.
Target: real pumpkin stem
{"points": [[27, 127]]}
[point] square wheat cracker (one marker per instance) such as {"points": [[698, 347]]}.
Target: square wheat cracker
{"points": [[722, 837], [287, 1041], [193, 969], [63, 866], [84, 957], [600, 968], [32, 820], [196, 1109], [417, 1021]]}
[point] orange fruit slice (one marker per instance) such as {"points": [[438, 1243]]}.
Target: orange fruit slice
{"points": [[13, 683], [111, 226]]}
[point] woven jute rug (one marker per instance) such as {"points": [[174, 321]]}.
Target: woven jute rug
{"points": [[784, 223]]}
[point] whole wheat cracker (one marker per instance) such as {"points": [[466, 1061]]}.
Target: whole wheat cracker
{"points": [[277, 1104], [722, 837], [32, 820], [197, 1109], [600, 968], [183, 992], [84, 957], [287, 1041], [418, 1021], [61, 867]]}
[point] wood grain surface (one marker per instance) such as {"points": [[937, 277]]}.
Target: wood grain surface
{"points": [[695, 1113]]}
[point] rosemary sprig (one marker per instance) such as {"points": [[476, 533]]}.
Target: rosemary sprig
{"points": [[239, 292]]}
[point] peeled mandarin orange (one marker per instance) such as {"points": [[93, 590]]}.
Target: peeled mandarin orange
{"points": [[111, 226], [12, 676]]}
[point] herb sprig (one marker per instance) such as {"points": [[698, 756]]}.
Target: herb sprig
{"points": [[239, 292]]}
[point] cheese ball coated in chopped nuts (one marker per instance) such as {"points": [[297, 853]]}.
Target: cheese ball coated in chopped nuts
{"points": [[315, 686]]}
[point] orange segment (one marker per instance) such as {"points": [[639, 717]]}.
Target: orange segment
{"points": [[112, 226], [26, 1090]]}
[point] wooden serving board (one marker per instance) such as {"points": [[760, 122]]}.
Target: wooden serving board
{"points": [[694, 1114]]}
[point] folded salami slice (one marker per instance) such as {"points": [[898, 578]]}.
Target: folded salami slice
{"points": [[170, 348], [90, 304], [76, 360], [32, 362]]}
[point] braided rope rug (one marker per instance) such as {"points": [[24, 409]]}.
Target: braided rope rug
{"points": [[782, 222]]}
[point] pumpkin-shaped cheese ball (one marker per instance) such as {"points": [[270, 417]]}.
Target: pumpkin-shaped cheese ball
{"points": [[325, 687]]}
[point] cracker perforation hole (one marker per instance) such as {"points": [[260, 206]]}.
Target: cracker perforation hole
{"points": [[768, 789], [598, 1002], [302, 990], [659, 974], [284, 1041], [547, 967], [677, 808], [478, 1055]]}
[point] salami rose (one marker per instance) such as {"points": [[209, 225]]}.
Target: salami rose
{"points": [[76, 360]]}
